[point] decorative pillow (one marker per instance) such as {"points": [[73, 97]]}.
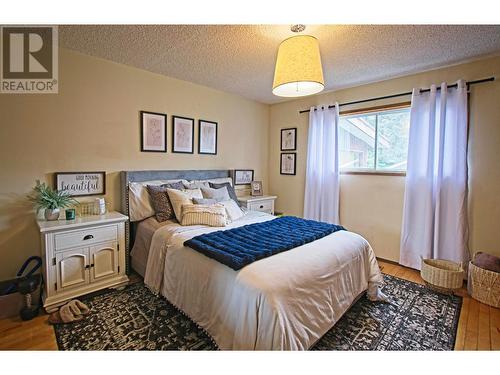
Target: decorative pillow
{"points": [[140, 205], [219, 180], [161, 202], [232, 209], [218, 194], [230, 190], [198, 214], [178, 198], [196, 184], [204, 201]]}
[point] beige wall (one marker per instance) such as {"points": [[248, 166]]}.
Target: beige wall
{"points": [[373, 205], [93, 124]]}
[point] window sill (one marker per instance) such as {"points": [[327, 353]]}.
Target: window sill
{"points": [[374, 173]]}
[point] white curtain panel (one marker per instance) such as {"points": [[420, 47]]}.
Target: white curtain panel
{"points": [[321, 199], [435, 203]]}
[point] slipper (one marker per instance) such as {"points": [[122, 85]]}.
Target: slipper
{"points": [[78, 308], [64, 315], [55, 318], [73, 311], [83, 307]]}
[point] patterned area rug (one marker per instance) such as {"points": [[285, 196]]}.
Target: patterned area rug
{"points": [[135, 319]]}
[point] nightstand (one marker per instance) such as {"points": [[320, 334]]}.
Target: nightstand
{"points": [[82, 256], [263, 203]]}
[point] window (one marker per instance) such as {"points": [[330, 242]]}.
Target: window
{"points": [[374, 141]]}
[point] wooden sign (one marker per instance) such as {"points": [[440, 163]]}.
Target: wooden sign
{"points": [[80, 184]]}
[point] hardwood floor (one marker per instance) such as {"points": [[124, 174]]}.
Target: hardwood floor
{"points": [[478, 327]]}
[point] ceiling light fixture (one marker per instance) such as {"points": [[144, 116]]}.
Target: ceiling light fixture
{"points": [[298, 70]]}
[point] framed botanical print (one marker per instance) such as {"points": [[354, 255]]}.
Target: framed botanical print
{"points": [[243, 176], [289, 139], [182, 135], [207, 137], [288, 163], [153, 132]]}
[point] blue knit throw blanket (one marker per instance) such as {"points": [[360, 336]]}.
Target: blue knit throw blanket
{"points": [[241, 246]]}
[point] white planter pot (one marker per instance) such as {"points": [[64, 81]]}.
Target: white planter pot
{"points": [[51, 214]]}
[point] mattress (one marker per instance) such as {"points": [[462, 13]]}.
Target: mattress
{"points": [[285, 302]]}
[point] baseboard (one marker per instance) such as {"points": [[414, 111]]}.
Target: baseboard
{"points": [[400, 265], [389, 261]]}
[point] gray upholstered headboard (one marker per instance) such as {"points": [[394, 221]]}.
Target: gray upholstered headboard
{"points": [[139, 176]]}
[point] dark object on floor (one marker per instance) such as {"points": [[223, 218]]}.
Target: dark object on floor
{"points": [[27, 286], [13, 286], [136, 319], [487, 262], [22, 295]]}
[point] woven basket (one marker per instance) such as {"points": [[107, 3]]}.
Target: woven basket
{"points": [[442, 275], [484, 285]]}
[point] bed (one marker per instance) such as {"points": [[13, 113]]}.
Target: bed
{"points": [[284, 302]]}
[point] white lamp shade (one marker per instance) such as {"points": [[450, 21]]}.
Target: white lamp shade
{"points": [[298, 69]]}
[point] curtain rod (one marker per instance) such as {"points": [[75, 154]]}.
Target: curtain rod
{"points": [[489, 79]]}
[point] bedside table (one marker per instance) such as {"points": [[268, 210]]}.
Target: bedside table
{"points": [[263, 203], [82, 256]]}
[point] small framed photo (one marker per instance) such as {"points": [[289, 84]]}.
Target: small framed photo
{"points": [[256, 188], [207, 137], [243, 176], [288, 163], [182, 135], [289, 139], [80, 184], [153, 132]]}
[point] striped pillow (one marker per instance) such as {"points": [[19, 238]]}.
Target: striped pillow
{"points": [[200, 214]]}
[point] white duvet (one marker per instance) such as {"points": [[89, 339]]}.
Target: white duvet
{"points": [[283, 302]]}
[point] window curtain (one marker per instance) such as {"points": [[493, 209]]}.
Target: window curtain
{"points": [[435, 203], [321, 200]]}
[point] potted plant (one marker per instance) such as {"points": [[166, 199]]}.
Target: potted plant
{"points": [[51, 200]]}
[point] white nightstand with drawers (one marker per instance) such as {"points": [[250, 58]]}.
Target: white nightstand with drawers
{"points": [[82, 256], [263, 203]]}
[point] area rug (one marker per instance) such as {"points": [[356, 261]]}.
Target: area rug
{"points": [[135, 319]]}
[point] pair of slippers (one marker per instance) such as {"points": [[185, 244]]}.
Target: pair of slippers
{"points": [[73, 311]]}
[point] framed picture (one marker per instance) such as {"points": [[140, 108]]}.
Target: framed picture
{"points": [[243, 176], [80, 184], [207, 137], [289, 139], [256, 188], [182, 135], [153, 132], [288, 163]]}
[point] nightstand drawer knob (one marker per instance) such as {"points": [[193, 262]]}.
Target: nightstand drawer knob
{"points": [[88, 237], [261, 206]]}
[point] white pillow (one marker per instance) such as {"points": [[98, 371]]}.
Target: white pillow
{"points": [[219, 195], [180, 197], [219, 180], [233, 211], [139, 201], [196, 184], [198, 214]]}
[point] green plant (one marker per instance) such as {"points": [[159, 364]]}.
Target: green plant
{"points": [[45, 197]]}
